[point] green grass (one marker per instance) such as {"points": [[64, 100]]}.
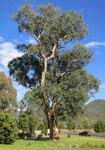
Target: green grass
{"points": [[72, 143]]}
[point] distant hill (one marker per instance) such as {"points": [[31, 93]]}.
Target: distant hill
{"points": [[95, 110]]}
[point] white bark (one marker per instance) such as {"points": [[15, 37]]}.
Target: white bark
{"points": [[44, 72], [45, 60]]}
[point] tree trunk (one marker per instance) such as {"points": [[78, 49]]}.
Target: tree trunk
{"points": [[48, 122], [52, 128], [44, 72]]}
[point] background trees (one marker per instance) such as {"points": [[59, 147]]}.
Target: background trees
{"points": [[58, 79], [28, 122], [99, 126], [71, 124], [8, 125], [8, 129], [7, 94]]}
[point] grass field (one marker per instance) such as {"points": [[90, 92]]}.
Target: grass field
{"points": [[72, 143]]}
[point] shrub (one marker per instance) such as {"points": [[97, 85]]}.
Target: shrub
{"points": [[99, 126], [8, 128]]}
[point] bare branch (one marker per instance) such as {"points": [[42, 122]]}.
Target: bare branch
{"points": [[42, 54], [63, 38], [37, 39], [53, 52], [33, 35], [63, 73]]}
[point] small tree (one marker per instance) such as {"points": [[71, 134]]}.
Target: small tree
{"points": [[85, 123], [8, 129], [99, 126], [24, 123], [33, 123]]}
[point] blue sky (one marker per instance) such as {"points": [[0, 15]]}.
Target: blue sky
{"points": [[93, 12]]}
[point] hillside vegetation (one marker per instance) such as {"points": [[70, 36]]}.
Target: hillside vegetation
{"points": [[96, 110]]}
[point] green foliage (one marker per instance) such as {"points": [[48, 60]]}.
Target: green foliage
{"points": [[85, 123], [7, 94], [24, 122], [33, 123], [8, 129], [62, 125], [71, 125], [48, 26], [99, 126], [42, 127], [28, 122]]}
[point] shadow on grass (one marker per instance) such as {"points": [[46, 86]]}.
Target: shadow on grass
{"points": [[42, 139], [35, 139]]}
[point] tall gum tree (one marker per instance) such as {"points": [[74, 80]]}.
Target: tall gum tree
{"points": [[54, 76]]}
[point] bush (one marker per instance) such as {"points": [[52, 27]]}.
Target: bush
{"points": [[8, 129], [99, 126]]}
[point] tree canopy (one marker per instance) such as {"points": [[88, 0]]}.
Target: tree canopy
{"points": [[50, 28]]}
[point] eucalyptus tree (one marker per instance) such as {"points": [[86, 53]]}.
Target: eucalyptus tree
{"points": [[57, 78]]}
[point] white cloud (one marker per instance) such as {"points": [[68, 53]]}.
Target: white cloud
{"points": [[8, 52], [94, 44], [21, 40]]}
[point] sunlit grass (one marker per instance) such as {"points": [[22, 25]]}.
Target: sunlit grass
{"points": [[74, 142]]}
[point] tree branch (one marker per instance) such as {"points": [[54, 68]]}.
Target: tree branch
{"points": [[54, 48], [37, 39], [33, 35], [65, 37], [53, 52]]}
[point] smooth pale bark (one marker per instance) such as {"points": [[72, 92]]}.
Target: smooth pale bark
{"points": [[45, 60], [44, 72]]}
